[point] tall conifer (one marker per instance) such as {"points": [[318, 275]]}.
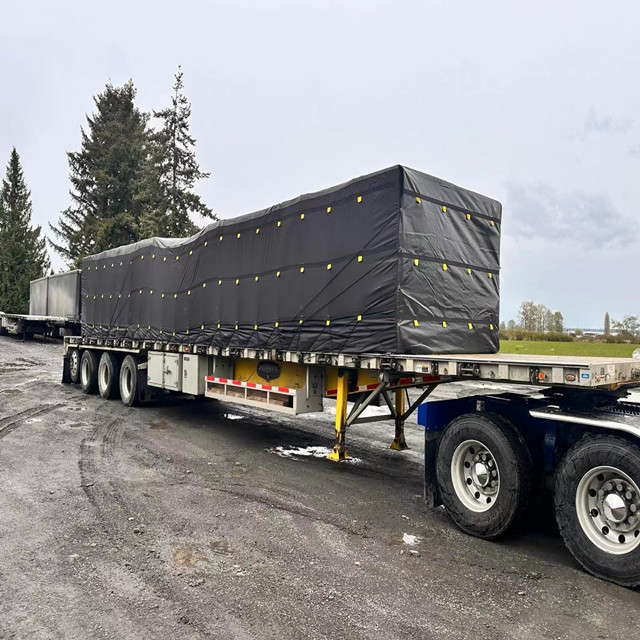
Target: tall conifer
{"points": [[107, 177], [173, 172], [23, 253]]}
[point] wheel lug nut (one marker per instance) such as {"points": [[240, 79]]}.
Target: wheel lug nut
{"points": [[619, 488], [628, 495], [608, 486], [633, 507], [490, 463], [601, 492], [494, 473]]}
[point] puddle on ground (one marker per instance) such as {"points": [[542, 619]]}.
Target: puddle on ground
{"points": [[159, 424], [190, 556], [221, 547], [14, 369]]}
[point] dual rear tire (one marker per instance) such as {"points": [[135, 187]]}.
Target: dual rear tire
{"points": [[484, 475], [597, 505]]}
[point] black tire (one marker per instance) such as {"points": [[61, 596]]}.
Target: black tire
{"points": [[485, 511], [74, 366], [108, 375], [129, 381], [580, 462], [89, 371]]}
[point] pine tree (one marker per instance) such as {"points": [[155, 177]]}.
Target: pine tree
{"points": [[607, 324], [173, 172], [23, 253], [107, 176]]}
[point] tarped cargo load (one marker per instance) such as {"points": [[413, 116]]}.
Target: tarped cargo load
{"points": [[393, 262]]}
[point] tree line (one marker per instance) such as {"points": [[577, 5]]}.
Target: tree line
{"points": [[537, 322], [133, 178], [536, 318]]}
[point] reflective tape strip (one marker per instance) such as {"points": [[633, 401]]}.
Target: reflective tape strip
{"points": [[250, 385]]}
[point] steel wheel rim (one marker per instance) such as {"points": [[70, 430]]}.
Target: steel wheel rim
{"points": [[73, 363], [127, 381], [608, 509], [104, 376], [84, 371], [475, 475]]}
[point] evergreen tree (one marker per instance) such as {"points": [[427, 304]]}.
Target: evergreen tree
{"points": [[23, 253], [107, 177], [173, 172], [607, 324]]}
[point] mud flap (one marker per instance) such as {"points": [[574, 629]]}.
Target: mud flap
{"points": [[66, 370], [431, 496]]}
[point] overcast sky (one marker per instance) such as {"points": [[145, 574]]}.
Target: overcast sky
{"points": [[533, 104]]}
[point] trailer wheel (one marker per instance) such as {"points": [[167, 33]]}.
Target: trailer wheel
{"points": [[108, 377], [129, 381], [597, 503], [89, 371], [484, 473], [74, 366]]}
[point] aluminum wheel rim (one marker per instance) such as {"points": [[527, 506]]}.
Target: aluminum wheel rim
{"points": [[608, 508], [73, 363], [475, 475]]}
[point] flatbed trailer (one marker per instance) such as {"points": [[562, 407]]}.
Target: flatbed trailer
{"points": [[27, 325], [361, 292], [484, 454], [54, 307]]}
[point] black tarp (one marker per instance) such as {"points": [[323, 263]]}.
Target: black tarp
{"points": [[392, 262]]}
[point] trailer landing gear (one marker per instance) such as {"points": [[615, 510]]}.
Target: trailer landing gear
{"points": [[339, 451], [391, 382], [399, 443]]}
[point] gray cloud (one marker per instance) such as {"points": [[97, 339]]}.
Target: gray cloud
{"points": [[589, 220], [634, 150], [606, 125]]}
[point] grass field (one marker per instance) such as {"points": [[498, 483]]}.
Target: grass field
{"points": [[568, 348]]}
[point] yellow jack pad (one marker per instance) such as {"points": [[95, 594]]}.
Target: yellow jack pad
{"points": [[338, 454], [398, 445]]}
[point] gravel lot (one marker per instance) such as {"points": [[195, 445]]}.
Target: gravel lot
{"points": [[180, 520]]}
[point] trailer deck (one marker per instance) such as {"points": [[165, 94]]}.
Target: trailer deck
{"points": [[25, 324], [569, 371]]}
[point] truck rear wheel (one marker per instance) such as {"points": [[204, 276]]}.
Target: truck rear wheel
{"points": [[484, 473], [129, 381], [597, 503], [89, 371], [108, 375]]}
